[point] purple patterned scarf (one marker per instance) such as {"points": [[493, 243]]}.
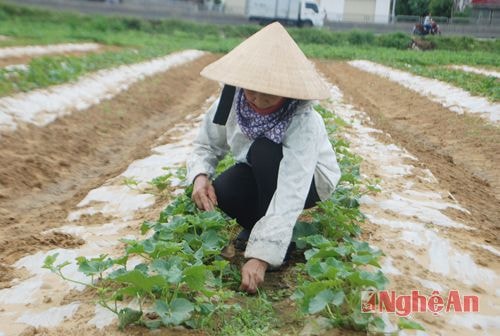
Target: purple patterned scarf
{"points": [[272, 126]]}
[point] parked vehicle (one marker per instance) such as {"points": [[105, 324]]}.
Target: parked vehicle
{"points": [[305, 13]]}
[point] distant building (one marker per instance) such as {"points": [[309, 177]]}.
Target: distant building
{"points": [[376, 11], [491, 4], [235, 6], [459, 5]]}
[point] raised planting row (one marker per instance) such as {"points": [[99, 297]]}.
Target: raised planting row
{"points": [[41, 107], [43, 50], [477, 81], [453, 98], [52, 70], [480, 71]]}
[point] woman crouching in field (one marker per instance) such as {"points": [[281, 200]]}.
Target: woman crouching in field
{"points": [[285, 162]]}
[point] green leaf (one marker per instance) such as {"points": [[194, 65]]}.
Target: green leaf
{"points": [[366, 259], [338, 297], [404, 323], [122, 261], [211, 220], [169, 269], [50, 260], [360, 320], [206, 308], [117, 272], [161, 182], [147, 225], [157, 249], [309, 290], [127, 316], [95, 265], [378, 323], [177, 312], [310, 253], [220, 265], [140, 281], [133, 246], [317, 240], [325, 297], [319, 302], [199, 254], [195, 276], [297, 295], [362, 248], [367, 279], [126, 292], [152, 324], [212, 240], [142, 267], [315, 268], [302, 230], [181, 309], [149, 245], [342, 250]]}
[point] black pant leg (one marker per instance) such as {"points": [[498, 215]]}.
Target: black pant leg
{"points": [[237, 195], [265, 157], [245, 191]]}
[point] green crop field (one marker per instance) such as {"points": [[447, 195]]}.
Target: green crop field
{"points": [[141, 39]]}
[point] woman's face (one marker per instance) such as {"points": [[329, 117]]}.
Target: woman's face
{"points": [[261, 100]]}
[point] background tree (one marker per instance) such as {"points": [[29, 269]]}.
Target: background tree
{"points": [[413, 7], [441, 7], [402, 7], [419, 7]]}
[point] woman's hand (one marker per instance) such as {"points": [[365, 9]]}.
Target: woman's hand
{"points": [[204, 193], [252, 275]]}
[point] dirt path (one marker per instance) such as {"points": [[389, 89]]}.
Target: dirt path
{"points": [[463, 152], [52, 168]]}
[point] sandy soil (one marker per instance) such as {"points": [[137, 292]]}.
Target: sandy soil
{"points": [[51, 168]]}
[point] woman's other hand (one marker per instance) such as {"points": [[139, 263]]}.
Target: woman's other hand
{"points": [[252, 275], [204, 193]]}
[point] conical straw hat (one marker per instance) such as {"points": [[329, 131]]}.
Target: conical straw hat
{"points": [[270, 62]]}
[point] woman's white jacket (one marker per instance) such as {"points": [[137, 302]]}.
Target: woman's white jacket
{"points": [[307, 152]]}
